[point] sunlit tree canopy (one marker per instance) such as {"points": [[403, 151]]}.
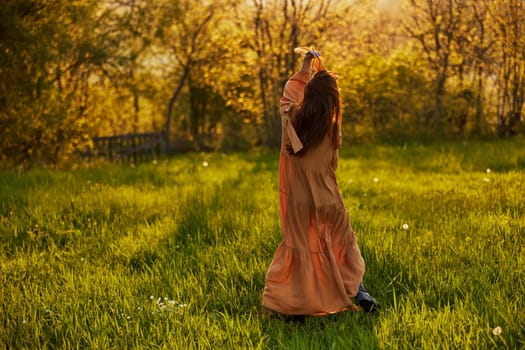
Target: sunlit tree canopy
{"points": [[210, 73]]}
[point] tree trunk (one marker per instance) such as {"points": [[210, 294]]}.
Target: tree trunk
{"points": [[438, 108], [172, 101], [477, 128]]}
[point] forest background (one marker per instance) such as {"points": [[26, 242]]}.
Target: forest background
{"points": [[211, 72]]}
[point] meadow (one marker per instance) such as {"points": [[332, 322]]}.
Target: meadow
{"points": [[172, 254]]}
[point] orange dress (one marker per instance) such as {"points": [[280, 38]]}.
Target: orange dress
{"points": [[318, 266]]}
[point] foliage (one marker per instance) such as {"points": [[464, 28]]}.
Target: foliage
{"points": [[212, 72], [46, 53], [480, 39], [172, 254], [378, 96], [509, 23]]}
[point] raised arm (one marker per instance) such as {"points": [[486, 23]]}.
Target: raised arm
{"points": [[292, 97], [294, 88]]}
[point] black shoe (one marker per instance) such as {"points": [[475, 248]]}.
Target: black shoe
{"points": [[366, 301]]}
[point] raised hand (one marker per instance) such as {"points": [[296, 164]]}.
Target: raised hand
{"points": [[313, 54]]}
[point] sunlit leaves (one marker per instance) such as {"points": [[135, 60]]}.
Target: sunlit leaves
{"points": [[86, 67]]}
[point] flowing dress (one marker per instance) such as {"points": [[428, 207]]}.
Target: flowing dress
{"points": [[317, 268]]}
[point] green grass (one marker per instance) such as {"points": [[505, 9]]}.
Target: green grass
{"points": [[172, 255]]}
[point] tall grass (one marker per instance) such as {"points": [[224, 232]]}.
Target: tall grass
{"points": [[173, 254]]}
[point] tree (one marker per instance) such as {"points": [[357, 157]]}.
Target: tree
{"points": [[480, 45], [186, 28], [48, 50], [130, 28], [274, 29], [509, 63], [434, 23]]}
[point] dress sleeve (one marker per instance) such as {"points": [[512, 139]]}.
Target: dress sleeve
{"points": [[292, 97]]}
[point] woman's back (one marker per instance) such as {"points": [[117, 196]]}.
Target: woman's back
{"points": [[318, 158]]}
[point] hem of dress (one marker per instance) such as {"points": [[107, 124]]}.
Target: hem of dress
{"points": [[273, 308]]}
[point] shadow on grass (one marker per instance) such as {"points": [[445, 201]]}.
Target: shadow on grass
{"points": [[345, 330]]}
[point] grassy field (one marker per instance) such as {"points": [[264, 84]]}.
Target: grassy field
{"points": [[172, 254]]}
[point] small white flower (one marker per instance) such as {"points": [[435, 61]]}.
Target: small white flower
{"points": [[205, 164], [24, 321], [376, 179], [488, 170], [497, 331], [486, 179], [405, 226], [151, 297]]}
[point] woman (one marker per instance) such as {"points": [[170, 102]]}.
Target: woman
{"points": [[318, 268]]}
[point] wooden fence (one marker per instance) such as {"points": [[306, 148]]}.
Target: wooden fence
{"points": [[130, 147]]}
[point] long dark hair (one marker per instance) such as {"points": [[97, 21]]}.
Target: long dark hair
{"points": [[319, 113]]}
